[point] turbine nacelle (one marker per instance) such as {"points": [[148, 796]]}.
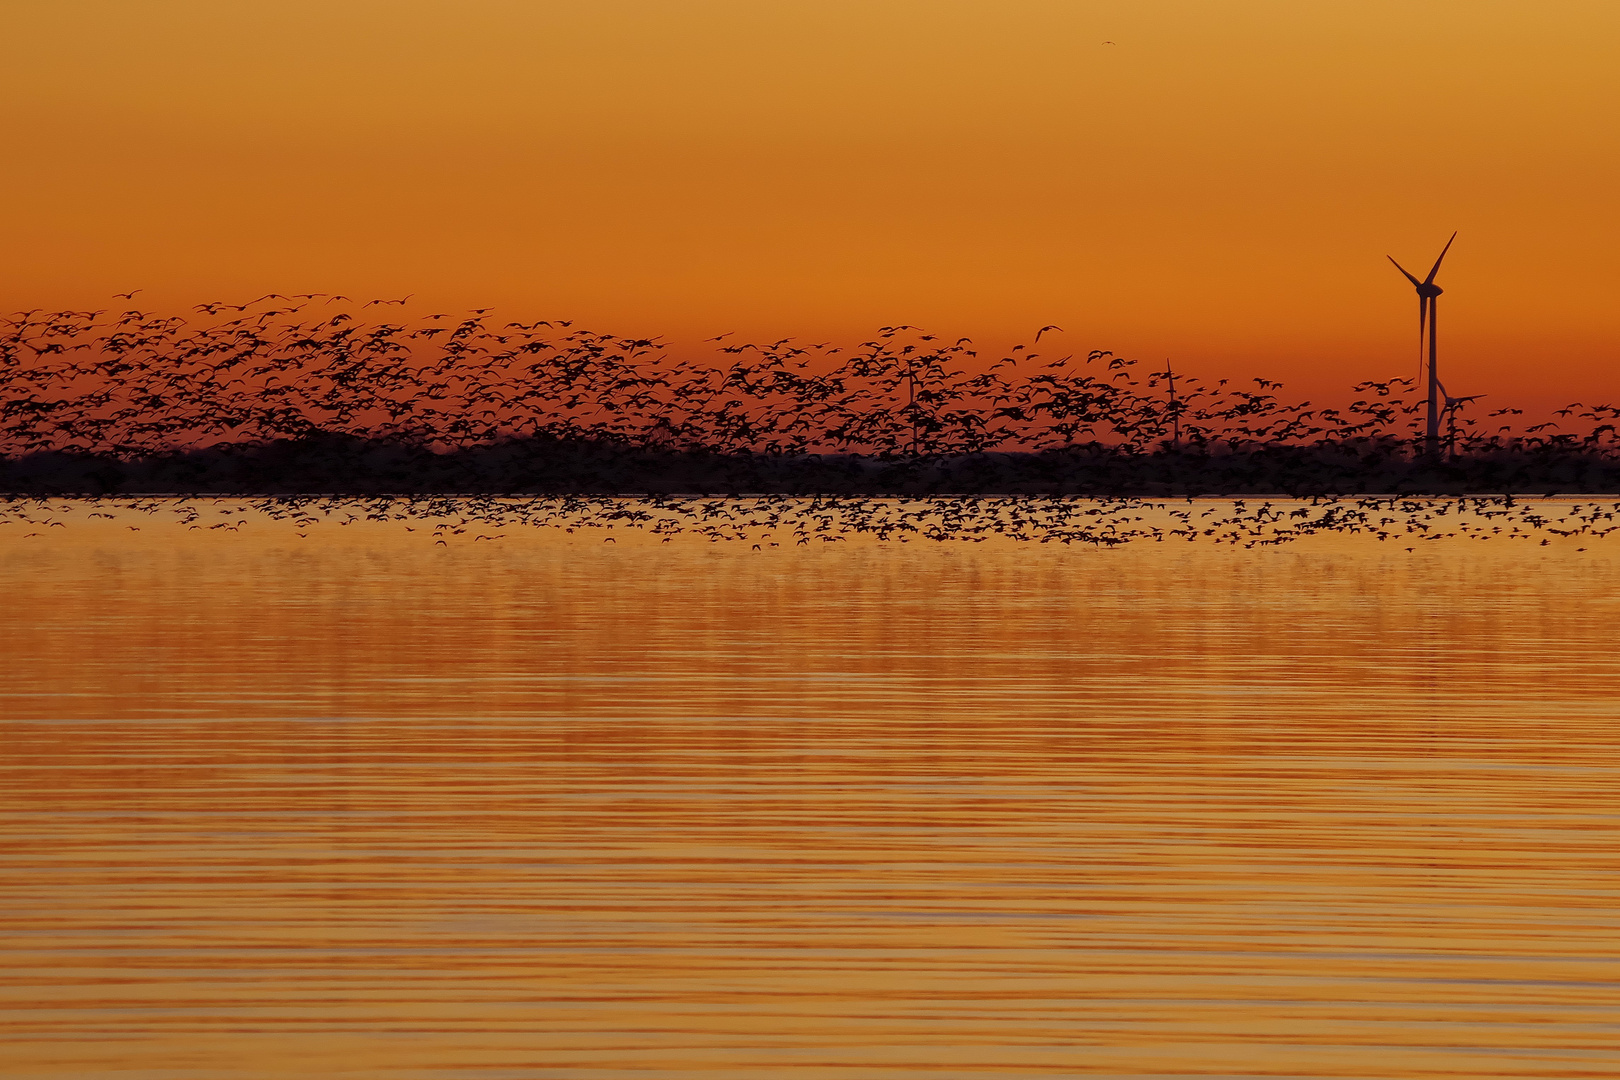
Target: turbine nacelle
{"points": [[1427, 288]]}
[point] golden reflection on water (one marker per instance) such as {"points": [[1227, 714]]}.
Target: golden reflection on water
{"points": [[561, 808]]}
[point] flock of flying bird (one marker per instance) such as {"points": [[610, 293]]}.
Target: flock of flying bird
{"points": [[135, 387], [776, 521]]}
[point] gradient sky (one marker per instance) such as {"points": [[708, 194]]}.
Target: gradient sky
{"points": [[1221, 184]]}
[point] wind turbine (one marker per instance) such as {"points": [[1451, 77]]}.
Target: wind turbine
{"points": [[1428, 324]]}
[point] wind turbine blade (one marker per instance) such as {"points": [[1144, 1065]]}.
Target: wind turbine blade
{"points": [[1423, 328], [1402, 269], [1430, 279], [1434, 329]]}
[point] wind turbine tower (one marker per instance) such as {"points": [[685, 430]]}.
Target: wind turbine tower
{"points": [[1428, 326]]}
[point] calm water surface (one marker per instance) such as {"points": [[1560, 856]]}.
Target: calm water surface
{"points": [[551, 807]]}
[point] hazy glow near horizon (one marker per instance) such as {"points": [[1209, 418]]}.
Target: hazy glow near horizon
{"points": [[1218, 182]]}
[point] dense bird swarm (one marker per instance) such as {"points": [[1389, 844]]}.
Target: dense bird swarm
{"points": [[787, 521], [315, 394]]}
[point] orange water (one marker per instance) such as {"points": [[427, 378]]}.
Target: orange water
{"points": [[559, 808]]}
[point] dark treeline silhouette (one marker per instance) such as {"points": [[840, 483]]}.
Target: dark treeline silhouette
{"points": [[313, 394]]}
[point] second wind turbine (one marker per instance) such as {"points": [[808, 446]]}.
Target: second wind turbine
{"points": [[1428, 325]]}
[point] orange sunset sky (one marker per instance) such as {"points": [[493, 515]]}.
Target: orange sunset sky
{"points": [[1220, 184]]}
